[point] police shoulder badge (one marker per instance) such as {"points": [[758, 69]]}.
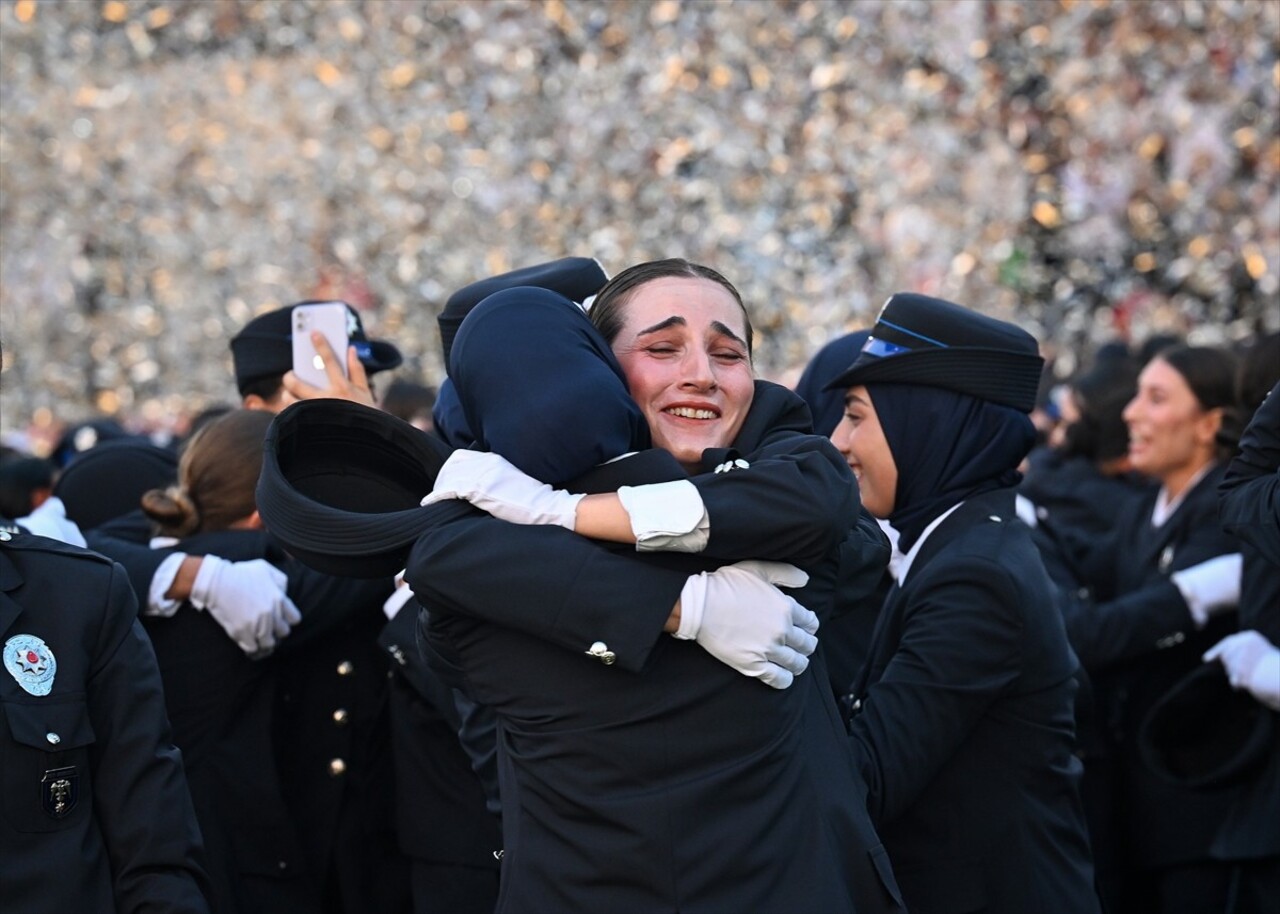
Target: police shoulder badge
{"points": [[30, 662]]}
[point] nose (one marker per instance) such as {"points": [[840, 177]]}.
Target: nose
{"points": [[698, 371], [1130, 411], [840, 436]]}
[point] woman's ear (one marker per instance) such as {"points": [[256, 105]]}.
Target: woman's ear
{"points": [[250, 522], [1208, 426]]}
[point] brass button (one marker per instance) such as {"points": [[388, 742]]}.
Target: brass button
{"points": [[337, 768], [346, 668], [340, 716]]}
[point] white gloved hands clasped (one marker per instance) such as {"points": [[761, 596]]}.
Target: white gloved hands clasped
{"points": [[492, 484], [1211, 587], [1252, 663], [248, 600], [738, 615]]}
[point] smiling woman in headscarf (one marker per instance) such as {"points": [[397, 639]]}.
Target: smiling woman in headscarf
{"points": [[963, 714]]}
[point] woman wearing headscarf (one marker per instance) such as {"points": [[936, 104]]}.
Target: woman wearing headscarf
{"points": [[640, 772], [963, 721], [1149, 598]]}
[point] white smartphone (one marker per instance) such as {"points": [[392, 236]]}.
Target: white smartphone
{"points": [[330, 318]]}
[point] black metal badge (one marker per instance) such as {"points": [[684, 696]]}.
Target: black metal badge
{"points": [[60, 791]]}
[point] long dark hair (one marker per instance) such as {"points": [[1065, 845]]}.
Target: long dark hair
{"points": [[608, 311], [1210, 372]]}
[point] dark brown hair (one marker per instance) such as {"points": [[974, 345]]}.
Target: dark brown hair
{"points": [[608, 312], [217, 477], [1210, 372]]}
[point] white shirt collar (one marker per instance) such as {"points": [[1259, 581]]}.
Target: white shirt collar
{"points": [[904, 566], [1165, 506]]}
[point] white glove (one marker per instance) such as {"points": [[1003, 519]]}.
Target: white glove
{"points": [[666, 516], [492, 484], [1211, 587], [1252, 663], [739, 617], [248, 600]]}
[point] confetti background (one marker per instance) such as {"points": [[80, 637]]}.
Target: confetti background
{"points": [[168, 169]]}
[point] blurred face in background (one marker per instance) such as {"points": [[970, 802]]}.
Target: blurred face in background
{"points": [[682, 346], [861, 440], [1171, 437]]}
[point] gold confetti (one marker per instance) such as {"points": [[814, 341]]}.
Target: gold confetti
{"points": [[1151, 146], [350, 29], [115, 11], [1255, 263], [327, 73], [401, 75], [457, 121], [1046, 214], [159, 17], [24, 10], [1199, 247], [1144, 262]]}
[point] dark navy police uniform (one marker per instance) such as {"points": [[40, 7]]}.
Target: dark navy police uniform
{"points": [[95, 815]]}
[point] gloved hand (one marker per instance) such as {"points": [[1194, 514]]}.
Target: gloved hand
{"points": [[1252, 663], [739, 617], [248, 600], [1211, 587], [492, 484]]}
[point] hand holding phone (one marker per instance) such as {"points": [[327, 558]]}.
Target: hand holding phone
{"points": [[330, 319]]}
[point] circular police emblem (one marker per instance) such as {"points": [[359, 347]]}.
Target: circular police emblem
{"points": [[31, 663]]}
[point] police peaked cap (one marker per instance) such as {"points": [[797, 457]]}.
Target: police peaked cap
{"points": [[342, 483], [576, 278], [922, 340], [1204, 733], [263, 348]]}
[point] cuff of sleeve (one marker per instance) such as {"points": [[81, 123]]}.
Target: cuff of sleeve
{"points": [[1195, 606], [667, 516], [157, 603], [1264, 680]]}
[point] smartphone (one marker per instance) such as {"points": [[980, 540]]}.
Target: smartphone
{"points": [[330, 318]]}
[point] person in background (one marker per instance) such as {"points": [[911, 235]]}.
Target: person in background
{"points": [[25, 483], [96, 814], [1249, 506], [963, 715], [864, 577], [220, 702], [1148, 599], [333, 733]]}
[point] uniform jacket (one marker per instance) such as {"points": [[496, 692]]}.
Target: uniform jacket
{"points": [[1137, 640], [963, 727], [330, 723], [638, 773], [96, 815], [1250, 508], [222, 706]]}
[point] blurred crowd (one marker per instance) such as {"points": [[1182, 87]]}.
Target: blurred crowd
{"points": [[171, 169]]}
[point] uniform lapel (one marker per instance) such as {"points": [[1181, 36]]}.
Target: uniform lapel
{"points": [[10, 579]]}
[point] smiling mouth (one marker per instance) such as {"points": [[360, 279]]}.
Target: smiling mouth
{"points": [[685, 412]]}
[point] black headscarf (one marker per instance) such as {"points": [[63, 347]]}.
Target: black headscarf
{"points": [[540, 386], [827, 406], [948, 447]]}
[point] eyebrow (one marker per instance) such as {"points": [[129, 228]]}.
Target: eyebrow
{"points": [[851, 398], [677, 321]]}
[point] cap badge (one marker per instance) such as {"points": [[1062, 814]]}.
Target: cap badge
{"points": [[31, 663]]}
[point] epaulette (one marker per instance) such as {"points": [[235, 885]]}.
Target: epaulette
{"points": [[14, 536]]}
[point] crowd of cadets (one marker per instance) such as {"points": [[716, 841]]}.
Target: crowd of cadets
{"points": [[323, 757]]}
